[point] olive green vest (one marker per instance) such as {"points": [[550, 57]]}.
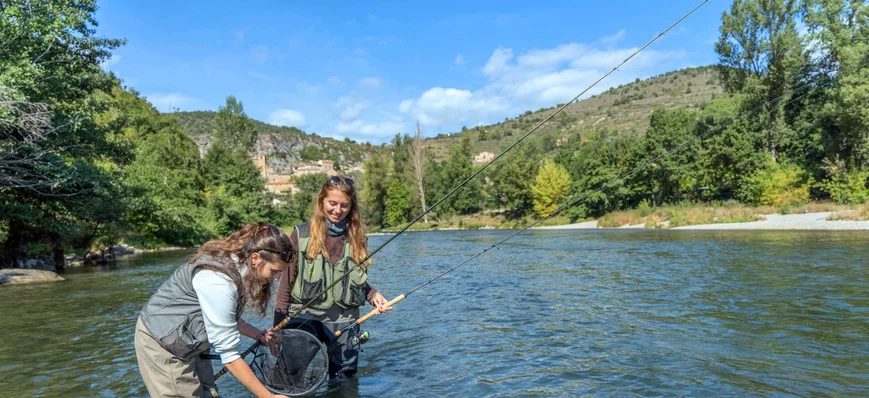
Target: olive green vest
{"points": [[313, 276]]}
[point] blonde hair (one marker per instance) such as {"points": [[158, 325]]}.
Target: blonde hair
{"points": [[355, 229], [261, 238]]}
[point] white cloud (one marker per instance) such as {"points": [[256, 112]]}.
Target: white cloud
{"points": [[111, 61], [534, 79], [459, 60], [443, 106], [351, 108], [288, 118], [498, 61], [260, 53], [610, 40], [370, 82], [371, 130], [169, 102]]}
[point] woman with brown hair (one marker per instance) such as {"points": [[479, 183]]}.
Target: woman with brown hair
{"points": [[200, 306], [328, 247]]}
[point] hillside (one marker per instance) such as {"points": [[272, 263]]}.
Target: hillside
{"points": [[622, 110], [283, 145]]}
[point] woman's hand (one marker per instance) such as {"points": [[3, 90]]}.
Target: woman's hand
{"points": [[268, 337], [380, 302]]}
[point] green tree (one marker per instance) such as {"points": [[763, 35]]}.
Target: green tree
{"points": [[550, 187], [457, 169], [235, 193], [839, 32], [675, 177], [760, 51], [397, 203], [58, 165], [374, 189], [512, 180], [233, 128], [311, 153]]}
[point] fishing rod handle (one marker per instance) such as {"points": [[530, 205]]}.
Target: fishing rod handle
{"points": [[374, 312]]}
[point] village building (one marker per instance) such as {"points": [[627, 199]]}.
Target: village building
{"points": [[484, 157]]}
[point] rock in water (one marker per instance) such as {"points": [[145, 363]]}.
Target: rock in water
{"points": [[18, 276]]}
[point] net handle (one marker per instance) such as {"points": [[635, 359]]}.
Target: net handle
{"points": [[373, 313]]}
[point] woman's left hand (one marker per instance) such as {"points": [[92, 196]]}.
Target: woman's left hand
{"points": [[268, 337], [380, 302]]}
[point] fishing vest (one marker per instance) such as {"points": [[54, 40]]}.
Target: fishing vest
{"points": [[172, 315], [313, 276]]}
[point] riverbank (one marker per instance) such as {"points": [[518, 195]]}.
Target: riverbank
{"points": [[807, 221]]}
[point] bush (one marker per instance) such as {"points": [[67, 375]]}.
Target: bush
{"points": [[777, 184], [847, 187]]}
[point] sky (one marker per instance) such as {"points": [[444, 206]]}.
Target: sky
{"points": [[367, 70]]}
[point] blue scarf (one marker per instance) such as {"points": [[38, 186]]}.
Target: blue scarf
{"points": [[337, 229]]}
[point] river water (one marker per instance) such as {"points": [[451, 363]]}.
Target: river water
{"points": [[550, 313]]}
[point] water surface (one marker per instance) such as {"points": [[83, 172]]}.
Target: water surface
{"points": [[603, 313]]}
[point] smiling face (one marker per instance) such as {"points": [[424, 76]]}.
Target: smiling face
{"points": [[336, 205]]}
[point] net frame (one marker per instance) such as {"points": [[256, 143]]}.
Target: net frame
{"points": [[270, 371]]}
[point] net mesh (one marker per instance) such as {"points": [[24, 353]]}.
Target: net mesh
{"points": [[297, 366]]}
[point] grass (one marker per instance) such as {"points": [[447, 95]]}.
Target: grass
{"points": [[860, 213], [480, 221], [680, 215], [666, 216]]}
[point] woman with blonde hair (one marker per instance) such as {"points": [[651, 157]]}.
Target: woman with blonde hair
{"points": [[328, 248], [200, 306]]}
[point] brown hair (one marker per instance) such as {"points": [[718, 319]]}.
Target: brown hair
{"points": [[262, 238], [355, 230]]}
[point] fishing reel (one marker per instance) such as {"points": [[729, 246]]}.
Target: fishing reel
{"points": [[361, 337]]}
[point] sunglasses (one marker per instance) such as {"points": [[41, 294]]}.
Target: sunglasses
{"points": [[285, 256], [335, 180]]}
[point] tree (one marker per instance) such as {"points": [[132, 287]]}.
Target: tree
{"points": [[311, 153], [759, 53], [397, 203], [839, 33], [235, 193], [416, 152], [550, 187], [233, 128], [374, 188], [675, 177], [512, 180], [457, 169], [57, 163]]}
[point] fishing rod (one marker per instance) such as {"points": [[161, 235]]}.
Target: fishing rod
{"points": [[583, 197], [296, 312]]}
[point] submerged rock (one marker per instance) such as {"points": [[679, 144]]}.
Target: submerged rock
{"points": [[18, 276]]}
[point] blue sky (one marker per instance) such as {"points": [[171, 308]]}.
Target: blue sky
{"points": [[367, 70]]}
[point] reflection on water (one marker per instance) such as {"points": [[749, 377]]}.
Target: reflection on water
{"points": [[551, 312]]}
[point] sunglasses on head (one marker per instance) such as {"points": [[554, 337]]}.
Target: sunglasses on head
{"points": [[335, 180], [285, 256]]}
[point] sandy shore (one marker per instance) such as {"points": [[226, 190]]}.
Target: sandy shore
{"points": [[808, 221]]}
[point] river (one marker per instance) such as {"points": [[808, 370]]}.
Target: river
{"points": [[609, 313]]}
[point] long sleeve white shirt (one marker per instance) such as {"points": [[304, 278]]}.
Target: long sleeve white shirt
{"points": [[218, 296]]}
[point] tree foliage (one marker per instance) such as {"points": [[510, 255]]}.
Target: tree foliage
{"points": [[550, 187], [233, 128]]}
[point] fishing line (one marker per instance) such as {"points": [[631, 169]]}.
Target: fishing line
{"points": [[460, 185]]}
